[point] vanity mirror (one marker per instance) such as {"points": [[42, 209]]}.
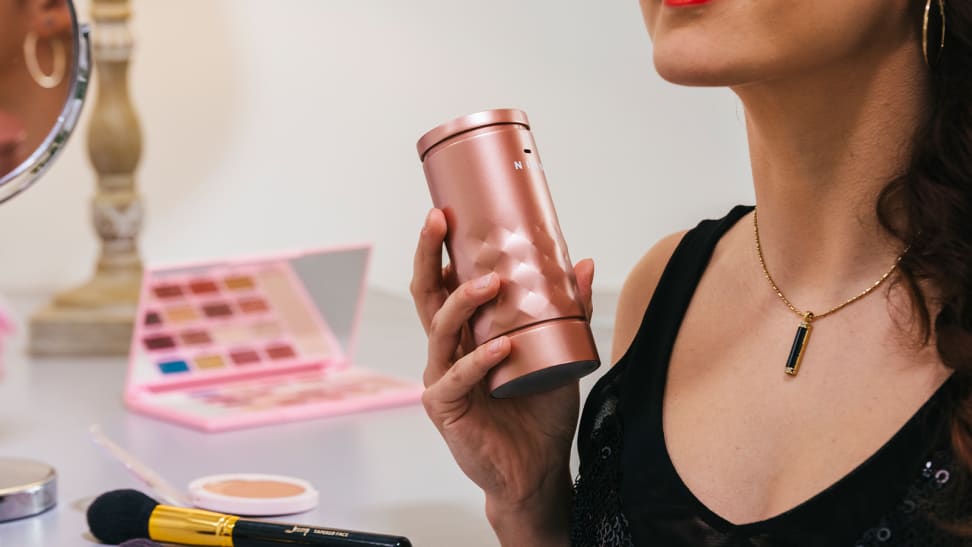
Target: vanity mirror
{"points": [[44, 70]]}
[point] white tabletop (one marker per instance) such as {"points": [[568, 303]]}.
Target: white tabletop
{"points": [[383, 471]]}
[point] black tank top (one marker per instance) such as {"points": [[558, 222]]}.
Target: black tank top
{"points": [[628, 492]]}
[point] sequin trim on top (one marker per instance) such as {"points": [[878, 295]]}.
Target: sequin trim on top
{"points": [[930, 501], [596, 515]]}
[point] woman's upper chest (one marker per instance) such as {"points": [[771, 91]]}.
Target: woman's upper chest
{"points": [[751, 442]]}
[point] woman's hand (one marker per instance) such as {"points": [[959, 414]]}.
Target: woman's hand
{"points": [[517, 450]]}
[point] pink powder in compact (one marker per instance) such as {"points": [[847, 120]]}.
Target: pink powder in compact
{"points": [[254, 488]]}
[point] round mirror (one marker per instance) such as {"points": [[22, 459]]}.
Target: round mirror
{"points": [[44, 70]]}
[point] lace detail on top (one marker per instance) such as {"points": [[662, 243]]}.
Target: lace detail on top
{"points": [[596, 515]]}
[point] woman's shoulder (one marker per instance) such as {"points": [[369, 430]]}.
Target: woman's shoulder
{"points": [[637, 290], [640, 284]]}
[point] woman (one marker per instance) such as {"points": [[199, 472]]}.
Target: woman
{"points": [[861, 151]]}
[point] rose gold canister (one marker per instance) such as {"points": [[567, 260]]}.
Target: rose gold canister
{"points": [[485, 174]]}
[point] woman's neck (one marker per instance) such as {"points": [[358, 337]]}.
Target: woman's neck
{"points": [[822, 145]]}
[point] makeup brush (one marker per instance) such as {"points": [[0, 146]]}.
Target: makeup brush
{"points": [[122, 515]]}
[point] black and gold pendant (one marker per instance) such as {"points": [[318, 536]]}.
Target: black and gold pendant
{"points": [[799, 345]]}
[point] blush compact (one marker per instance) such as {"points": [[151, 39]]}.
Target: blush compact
{"points": [[250, 494]]}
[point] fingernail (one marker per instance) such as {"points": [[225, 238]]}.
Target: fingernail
{"points": [[425, 225], [496, 345], [484, 281]]}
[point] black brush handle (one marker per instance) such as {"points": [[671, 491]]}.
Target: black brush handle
{"points": [[252, 533]]}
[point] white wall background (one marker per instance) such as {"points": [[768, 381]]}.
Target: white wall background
{"points": [[272, 125]]}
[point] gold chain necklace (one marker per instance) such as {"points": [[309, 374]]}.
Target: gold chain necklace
{"points": [[807, 317]]}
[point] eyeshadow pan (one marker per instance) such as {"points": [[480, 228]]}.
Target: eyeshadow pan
{"points": [[265, 330], [152, 318], [181, 314], [159, 342], [195, 337], [238, 282], [253, 305], [169, 367], [209, 361], [203, 286], [244, 356], [217, 310], [230, 333], [167, 291], [280, 351]]}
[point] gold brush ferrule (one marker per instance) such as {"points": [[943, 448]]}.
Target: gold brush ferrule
{"points": [[191, 526]]}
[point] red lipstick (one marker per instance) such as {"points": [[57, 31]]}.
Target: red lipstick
{"points": [[685, 3]]}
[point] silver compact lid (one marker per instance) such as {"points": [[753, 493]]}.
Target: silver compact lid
{"points": [[27, 487]]}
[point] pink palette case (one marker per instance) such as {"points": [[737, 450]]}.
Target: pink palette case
{"points": [[241, 343]]}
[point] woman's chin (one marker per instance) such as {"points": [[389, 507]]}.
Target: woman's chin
{"points": [[691, 78], [683, 70]]}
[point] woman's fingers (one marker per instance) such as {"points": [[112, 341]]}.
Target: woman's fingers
{"points": [[449, 278], [445, 327], [584, 273], [427, 288], [447, 400]]}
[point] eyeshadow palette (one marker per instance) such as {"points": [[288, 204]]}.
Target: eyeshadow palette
{"points": [[241, 343]]}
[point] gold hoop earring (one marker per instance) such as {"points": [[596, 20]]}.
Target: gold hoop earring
{"points": [[47, 81], [924, 31]]}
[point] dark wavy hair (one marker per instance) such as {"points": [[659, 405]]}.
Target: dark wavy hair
{"points": [[930, 207]]}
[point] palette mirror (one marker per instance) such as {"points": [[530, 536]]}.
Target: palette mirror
{"points": [[44, 71]]}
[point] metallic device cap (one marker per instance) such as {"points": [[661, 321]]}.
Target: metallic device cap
{"points": [[468, 123]]}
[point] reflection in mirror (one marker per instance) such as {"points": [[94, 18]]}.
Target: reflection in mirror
{"points": [[42, 77]]}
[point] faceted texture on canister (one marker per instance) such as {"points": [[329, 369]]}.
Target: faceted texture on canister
{"points": [[534, 270]]}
